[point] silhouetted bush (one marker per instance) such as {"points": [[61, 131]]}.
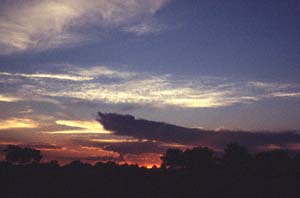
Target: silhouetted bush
{"points": [[235, 154], [199, 157], [18, 155]]}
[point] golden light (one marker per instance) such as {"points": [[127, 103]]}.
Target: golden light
{"points": [[114, 140], [15, 123], [49, 76], [84, 127], [8, 98], [193, 102]]}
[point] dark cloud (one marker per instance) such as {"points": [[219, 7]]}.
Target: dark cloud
{"points": [[158, 131], [42, 146], [136, 147], [91, 159], [122, 148], [129, 126], [39, 146]]}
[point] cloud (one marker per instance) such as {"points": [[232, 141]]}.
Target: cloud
{"points": [[286, 94], [4, 98], [73, 73], [126, 145], [40, 146], [82, 127], [270, 86], [118, 87], [84, 153], [276, 90], [15, 123], [46, 24], [35, 25], [162, 132], [136, 147], [49, 76], [100, 71], [115, 140], [155, 90], [144, 28]]}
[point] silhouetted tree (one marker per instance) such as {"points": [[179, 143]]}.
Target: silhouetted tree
{"points": [[274, 155], [236, 154], [173, 159], [77, 164], [18, 155], [53, 164], [297, 160], [275, 160], [199, 157], [191, 173]]}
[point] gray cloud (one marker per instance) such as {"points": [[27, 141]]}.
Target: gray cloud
{"points": [[136, 147], [163, 132]]}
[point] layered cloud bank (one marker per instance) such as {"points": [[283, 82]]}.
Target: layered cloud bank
{"points": [[56, 106], [46, 24], [112, 86]]}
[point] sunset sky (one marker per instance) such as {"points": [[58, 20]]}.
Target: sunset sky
{"points": [[209, 64]]}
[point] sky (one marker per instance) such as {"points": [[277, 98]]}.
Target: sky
{"points": [[208, 64]]}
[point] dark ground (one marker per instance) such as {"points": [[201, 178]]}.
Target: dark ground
{"points": [[271, 174]]}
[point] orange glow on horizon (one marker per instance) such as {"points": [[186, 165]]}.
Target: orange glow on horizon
{"points": [[144, 160]]}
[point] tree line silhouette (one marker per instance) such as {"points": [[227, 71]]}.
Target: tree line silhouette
{"points": [[196, 172]]}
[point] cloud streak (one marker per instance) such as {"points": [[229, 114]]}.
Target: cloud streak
{"points": [[117, 87], [83, 127], [15, 123], [4, 98], [144, 28], [49, 76], [156, 91], [286, 94]]}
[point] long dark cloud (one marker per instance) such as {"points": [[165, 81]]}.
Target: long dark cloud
{"points": [[158, 131], [136, 147]]}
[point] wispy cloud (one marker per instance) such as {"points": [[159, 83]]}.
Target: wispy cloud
{"points": [[73, 73], [144, 28], [156, 90], [82, 127], [112, 86], [269, 86], [83, 153], [286, 94], [100, 71], [44, 24], [115, 140], [15, 123], [4, 98], [275, 89], [50, 76]]}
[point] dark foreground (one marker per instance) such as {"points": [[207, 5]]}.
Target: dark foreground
{"points": [[194, 173]]}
